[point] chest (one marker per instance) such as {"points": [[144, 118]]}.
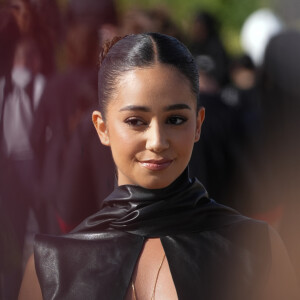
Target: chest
{"points": [[152, 278]]}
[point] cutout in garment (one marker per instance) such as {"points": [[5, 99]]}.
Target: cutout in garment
{"points": [[212, 251], [152, 278]]}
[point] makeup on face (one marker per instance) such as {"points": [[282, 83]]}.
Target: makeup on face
{"points": [[152, 125]]}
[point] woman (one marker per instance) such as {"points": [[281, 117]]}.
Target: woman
{"points": [[158, 235]]}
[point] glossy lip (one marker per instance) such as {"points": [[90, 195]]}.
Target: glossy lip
{"points": [[156, 165]]}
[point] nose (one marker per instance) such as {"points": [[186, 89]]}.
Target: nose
{"points": [[157, 138]]}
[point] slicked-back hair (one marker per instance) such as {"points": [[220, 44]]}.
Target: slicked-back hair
{"points": [[142, 51]]}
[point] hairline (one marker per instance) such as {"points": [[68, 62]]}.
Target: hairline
{"points": [[119, 82]]}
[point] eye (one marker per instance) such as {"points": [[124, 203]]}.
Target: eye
{"points": [[176, 120], [135, 122]]}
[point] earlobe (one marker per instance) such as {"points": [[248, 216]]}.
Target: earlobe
{"points": [[101, 128], [200, 119]]}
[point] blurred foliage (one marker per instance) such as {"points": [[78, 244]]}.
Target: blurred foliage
{"points": [[230, 13]]}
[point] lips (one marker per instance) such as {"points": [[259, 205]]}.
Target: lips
{"points": [[156, 165]]}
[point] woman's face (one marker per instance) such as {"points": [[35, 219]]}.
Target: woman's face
{"points": [[151, 126], [23, 15]]}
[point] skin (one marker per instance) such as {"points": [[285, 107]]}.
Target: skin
{"points": [[21, 11], [151, 126], [151, 142]]}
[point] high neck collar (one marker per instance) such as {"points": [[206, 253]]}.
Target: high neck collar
{"points": [[183, 206], [122, 192]]}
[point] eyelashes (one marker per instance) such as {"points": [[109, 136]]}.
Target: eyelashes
{"points": [[135, 122], [176, 120], [139, 122]]}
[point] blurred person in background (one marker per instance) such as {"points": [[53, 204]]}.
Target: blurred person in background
{"points": [[233, 121], [68, 97], [22, 86], [19, 109], [243, 72], [77, 192], [208, 81], [22, 100], [273, 190], [214, 158], [242, 94], [65, 100], [32, 24], [205, 40]]}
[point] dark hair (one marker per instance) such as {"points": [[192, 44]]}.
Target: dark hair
{"points": [[139, 51], [209, 21]]}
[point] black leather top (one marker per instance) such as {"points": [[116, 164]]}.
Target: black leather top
{"points": [[212, 250]]}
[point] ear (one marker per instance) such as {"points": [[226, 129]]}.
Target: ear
{"points": [[199, 122], [101, 128]]}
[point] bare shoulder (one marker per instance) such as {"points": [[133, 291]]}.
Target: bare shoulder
{"points": [[282, 283], [30, 287]]}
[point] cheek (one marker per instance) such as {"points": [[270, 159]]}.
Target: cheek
{"points": [[123, 143]]}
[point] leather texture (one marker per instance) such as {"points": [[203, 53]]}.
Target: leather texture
{"points": [[212, 250]]}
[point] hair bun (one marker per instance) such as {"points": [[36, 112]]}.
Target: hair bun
{"points": [[106, 47]]}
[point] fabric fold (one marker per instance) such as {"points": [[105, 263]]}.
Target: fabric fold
{"points": [[184, 206], [212, 250]]}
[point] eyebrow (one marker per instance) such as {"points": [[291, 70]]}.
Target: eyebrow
{"points": [[176, 107], [135, 108], [147, 109]]}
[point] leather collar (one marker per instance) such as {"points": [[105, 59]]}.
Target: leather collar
{"points": [[183, 206]]}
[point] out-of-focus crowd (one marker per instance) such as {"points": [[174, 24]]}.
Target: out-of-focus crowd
{"points": [[54, 171]]}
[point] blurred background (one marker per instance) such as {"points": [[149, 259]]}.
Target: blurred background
{"points": [[53, 170]]}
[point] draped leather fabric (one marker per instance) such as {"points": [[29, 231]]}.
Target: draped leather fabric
{"points": [[212, 250]]}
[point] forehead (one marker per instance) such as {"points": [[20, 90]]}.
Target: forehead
{"points": [[156, 85]]}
